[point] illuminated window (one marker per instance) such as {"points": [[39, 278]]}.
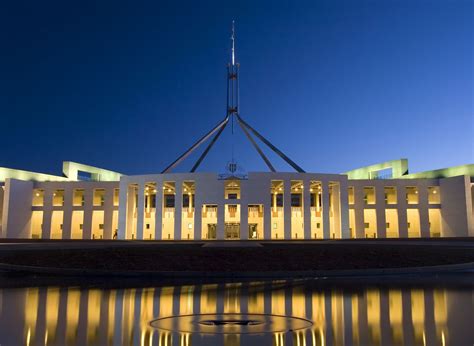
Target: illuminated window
{"points": [[433, 195]]}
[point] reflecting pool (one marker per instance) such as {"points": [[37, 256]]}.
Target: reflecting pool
{"points": [[433, 311]]}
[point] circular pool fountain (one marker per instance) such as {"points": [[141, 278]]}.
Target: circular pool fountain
{"points": [[231, 323]]}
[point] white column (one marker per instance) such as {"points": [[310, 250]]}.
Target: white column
{"points": [[178, 209], [109, 212], [67, 213], [423, 210], [87, 222], [140, 210], [287, 208], [359, 206], [122, 214], [220, 220], [380, 211], [402, 212], [307, 209], [325, 206], [344, 209], [47, 213], [244, 220], [159, 211]]}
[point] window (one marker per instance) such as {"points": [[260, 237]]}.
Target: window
{"points": [[369, 195], [411, 194], [390, 195], [169, 201], [78, 198], [101, 226], [433, 195], [232, 196], [38, 198], [58, 198], [147, 226], [99, 197], [232, 189], [296, 200], [350, 194]]}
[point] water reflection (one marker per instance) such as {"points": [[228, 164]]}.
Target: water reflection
{"points": [[346, 315]]}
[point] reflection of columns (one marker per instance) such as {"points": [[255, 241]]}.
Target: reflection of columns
{"points": [[325, 206], [82, 324], [408, 336], [178, 209], [430, 326], [363, 324], [220, 292], [385, 328], [140, 210], [62, 317], [41, 315], [158, 211], [118, 325], [67, 216], [105, 318], [359, 211], [287, 209], [380, 212], [137, 332], [328, 317], [347, 318], [87, 223], [307, 209]]}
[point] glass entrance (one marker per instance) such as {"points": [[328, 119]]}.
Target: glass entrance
{"points": [[211, 231], [232, 231], [253, 230]]}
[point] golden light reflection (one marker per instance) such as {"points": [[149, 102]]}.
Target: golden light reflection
{"points": [[92, 316]]}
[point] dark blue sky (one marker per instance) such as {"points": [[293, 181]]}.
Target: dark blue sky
{"points": [[335, 84]]}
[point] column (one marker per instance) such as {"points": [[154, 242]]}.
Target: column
{"points": [[380, 211], [122, 214], [140, 210], [423, 210], [344, 209], [267, 217], [158, 211], [336, 210], [325, 206], [307, 209], [220, 220], [287, 208], [130, 211], [244, 220], [67, 216], [87, 223], [108, 212], [47, 213], [359, 211], [197, 220], [402, 212], [178, 210]]}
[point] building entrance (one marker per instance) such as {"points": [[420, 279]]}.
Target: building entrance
{"points": [[232, 231], [253, 231], [211, 231]]}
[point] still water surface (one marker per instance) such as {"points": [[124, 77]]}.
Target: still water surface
{"points": [[434, 311]]}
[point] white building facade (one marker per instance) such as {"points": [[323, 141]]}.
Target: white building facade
{"points": [[259, 206]]}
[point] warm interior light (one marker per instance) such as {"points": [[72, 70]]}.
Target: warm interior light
{"points": [[146, 188], [185, 189], [37, 194], [311, 190], [154, 190], [434, 191], [169, 190]]}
